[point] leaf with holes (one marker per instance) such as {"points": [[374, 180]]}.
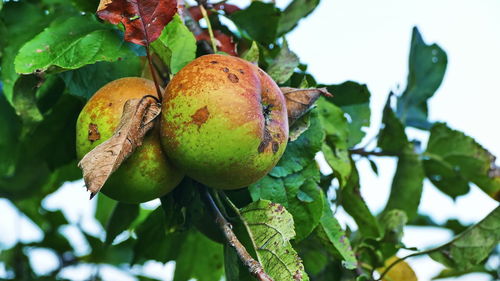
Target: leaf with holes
{"points": [[271, 229], [144, 20]]}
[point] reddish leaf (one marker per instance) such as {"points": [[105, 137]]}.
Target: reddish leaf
{"points": [[144, 20], [227, 8], [224, 42]]}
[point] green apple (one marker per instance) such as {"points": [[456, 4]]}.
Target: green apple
{"points": [[223, 122], [146, 174]]}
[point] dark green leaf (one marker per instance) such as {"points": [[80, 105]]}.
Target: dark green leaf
{"points": [[355, 205], [392, 137], [427, 65], [455, 159], [354, 100], [301, 152], [334, 238], [70, 44], [473, 245], [259, 20], [199, 258], [335, 148], [283, 65], [104, 209], [24, 100], [10, 128], [85, 81], [180, 43], [271, 227], [295, 11], [407, 184], [122, 217]]}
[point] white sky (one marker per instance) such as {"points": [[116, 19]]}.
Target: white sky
{"points": [[368, 42]]}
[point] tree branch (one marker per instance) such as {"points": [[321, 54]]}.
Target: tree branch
{"points": [[365, 153], [254, 267]]}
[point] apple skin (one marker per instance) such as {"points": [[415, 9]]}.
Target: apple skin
{"points": [[224, 122], [146, 174]]}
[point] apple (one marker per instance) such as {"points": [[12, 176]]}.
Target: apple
{"points": [[147, 173], [223, 122]]}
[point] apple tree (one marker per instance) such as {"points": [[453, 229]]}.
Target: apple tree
{"points": [[55, 55]]}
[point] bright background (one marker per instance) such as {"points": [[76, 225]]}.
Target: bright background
{"points": [[368, 42]]}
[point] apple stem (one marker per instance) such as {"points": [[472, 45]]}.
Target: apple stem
{"points": [[254, 267], [209, 27], [153, 73]]}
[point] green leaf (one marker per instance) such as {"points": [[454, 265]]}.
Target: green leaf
{"points": [[392, 137], [335, 148], [22, 22], [294, 12], [455, 159], [271, 227], [196, 247], [355, 206], [153, 242], [85, 81], [104, 209], [473, 245], [10, 128], [233, 268], [393, 223], [301, 152], [122, 217], [334, 238], [291, 192], [407, 184], [24, 100], [259, 20], [427, 65], [252, 54], [354, 100], [283, 65], [70, 44], [180, 42]]}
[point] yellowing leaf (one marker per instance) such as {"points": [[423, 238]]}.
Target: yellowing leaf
{"points": [[399, 272]]}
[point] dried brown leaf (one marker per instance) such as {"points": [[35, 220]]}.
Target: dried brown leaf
{"points": [[299, 101], [137, 119]]}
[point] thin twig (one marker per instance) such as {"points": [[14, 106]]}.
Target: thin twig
{"points": [[209, 26], [363, 152], [254, 267]]}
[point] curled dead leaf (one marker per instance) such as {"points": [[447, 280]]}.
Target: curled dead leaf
{"points": [[137, 119], [299, 101]]}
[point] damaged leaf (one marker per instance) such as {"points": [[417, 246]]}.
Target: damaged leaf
{"points": [[144, 20], [299, 101], [137, 119]]}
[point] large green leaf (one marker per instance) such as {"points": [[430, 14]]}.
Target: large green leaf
{"points": [[85, 81], [10, 128], [454, 159], [407, 184], [294, 12], [392, 137], [427, 65], [355, 205], [199, 258], [354, 99], [260, 20], [335, 148], [299, 193], [334, 238], [473, 245], [70, 44], [271, 228], [283, 65], [180, 43], [24, 100], [301, 152]]}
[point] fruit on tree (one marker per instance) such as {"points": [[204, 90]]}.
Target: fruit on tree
{"points": [[146, 174], [224, 121]]}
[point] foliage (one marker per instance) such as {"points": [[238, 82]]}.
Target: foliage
{"points": [[56, 54]]}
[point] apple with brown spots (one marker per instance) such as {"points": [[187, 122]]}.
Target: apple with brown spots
{"points": [[146, 174], [224, 121]]}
